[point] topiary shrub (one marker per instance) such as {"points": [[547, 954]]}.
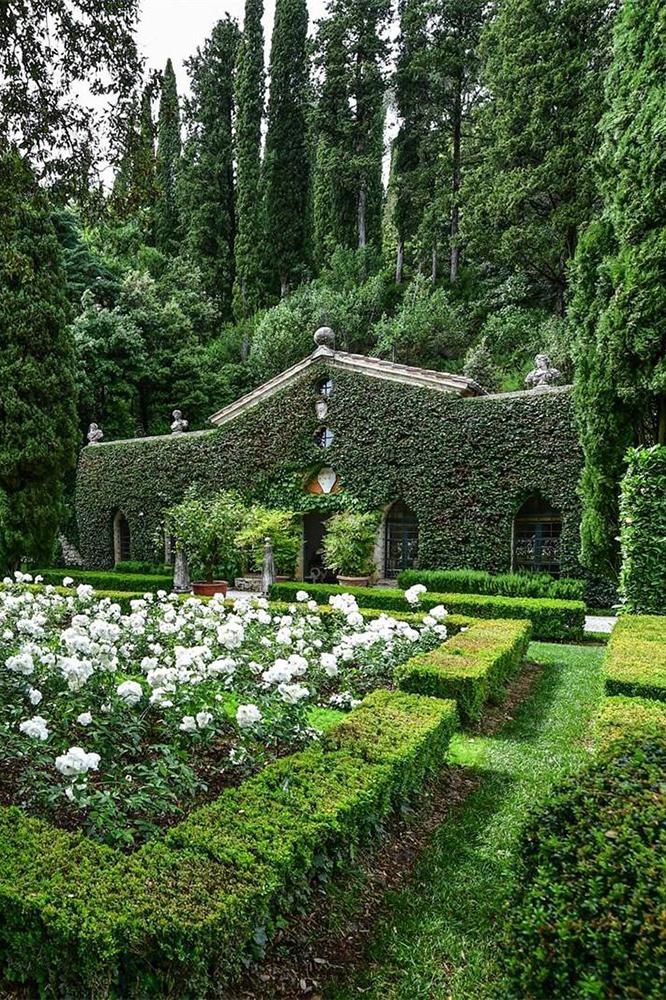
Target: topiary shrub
{"points": [[643, 531], [587, 917], [477, 581], [635, 661]]}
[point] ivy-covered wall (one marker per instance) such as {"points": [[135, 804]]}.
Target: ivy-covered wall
{"points": [[464, 466]]}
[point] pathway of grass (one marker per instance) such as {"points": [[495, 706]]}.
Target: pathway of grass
{"points": [[438, 937]]}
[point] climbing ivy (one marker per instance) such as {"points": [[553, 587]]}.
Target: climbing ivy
{"points": [[464, 466]]}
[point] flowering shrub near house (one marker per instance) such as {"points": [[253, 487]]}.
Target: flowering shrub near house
{"points": [[118, 723]]}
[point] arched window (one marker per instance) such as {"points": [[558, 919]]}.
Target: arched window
{"points": [[537, 528], [324, 437], [122, 543], [325, 388], [401, 540]]}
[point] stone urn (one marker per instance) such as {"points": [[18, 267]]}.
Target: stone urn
{"points": [[204, 589], [354, 581]]}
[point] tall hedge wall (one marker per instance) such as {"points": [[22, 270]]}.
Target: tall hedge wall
{"points": [[464, 466], [643, 531]]}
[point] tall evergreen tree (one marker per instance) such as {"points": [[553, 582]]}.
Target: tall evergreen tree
{"points": [[618, 311], [334, 204], [208, 171], [250, 87], [544, 63], [286, 162], [167, 162], [37, 402], [134, 187]]}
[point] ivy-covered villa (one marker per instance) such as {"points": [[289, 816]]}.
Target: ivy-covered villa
{"points": [[462, 478]]}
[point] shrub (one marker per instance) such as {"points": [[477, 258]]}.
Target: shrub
{"points": [[588, 915], [636, 657], [348, 543], [472, 668], [206, 528], [278, 525], [142, 568], [621, 717], [470, 581], [643, 531], [551, 619], [178, 917], [108, 580]]}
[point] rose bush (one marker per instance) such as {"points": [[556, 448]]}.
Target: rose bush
{"points": [[117, 723]]}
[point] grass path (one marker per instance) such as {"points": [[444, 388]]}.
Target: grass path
{"points": [[437, 939]]}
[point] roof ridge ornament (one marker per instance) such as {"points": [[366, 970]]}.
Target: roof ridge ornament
{"points": [[325, 337]]}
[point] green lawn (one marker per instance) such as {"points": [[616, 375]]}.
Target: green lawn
{"points": [[438, 936]]}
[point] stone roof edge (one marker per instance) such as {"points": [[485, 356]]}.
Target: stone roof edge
{"points": [[543, 390], [373, 367]]}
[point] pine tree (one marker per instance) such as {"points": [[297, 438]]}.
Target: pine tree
{"points": [[543, 65], [286, 163], [248, 288], [207, 190], [37, 402], [167, 162], [618, 311]]}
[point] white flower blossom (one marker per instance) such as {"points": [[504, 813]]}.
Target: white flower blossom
{"points": [[77, 761], [35, 727], [248, 716], [130, 692]]}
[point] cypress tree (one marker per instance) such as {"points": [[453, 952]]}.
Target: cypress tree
{"points": [[543, 65], [208, 172], [618, 311], [250, 89], [37, 402], [134, 188], [286, 163], [167, 161]]}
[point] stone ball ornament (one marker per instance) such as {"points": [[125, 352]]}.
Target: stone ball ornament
{"points": [[325, 337]]}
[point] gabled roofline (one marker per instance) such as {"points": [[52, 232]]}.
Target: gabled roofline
{"points": [[388, 371]]}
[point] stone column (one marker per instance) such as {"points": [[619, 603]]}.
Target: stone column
{"points": [[181, 574], [268, 568]]}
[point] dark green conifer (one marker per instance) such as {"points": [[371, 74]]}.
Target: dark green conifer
{"points": [[167, 163]]}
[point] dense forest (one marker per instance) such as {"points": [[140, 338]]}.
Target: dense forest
{"points": [[516, 207]]}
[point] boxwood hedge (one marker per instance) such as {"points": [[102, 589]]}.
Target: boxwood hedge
{"points": [[472, 667], [551, 619], [470, 581], [176, 918], [620, 717], [635, 661], [643, 531], [587, 918], [109, 580]]}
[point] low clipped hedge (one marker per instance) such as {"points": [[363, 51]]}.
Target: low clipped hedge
{"points": [[472, 668], [473, 581], [587, 918], [636, 657], [551, 620], [143, 568], [622, 717], [178, 917], [109, 579]]}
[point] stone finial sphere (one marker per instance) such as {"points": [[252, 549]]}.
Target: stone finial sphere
{"points": [[325, 337]]}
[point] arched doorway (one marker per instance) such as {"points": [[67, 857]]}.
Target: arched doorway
{"points": [[401, 539], [122, 542], [537, 528]]}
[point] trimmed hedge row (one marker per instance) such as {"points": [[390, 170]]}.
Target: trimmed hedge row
{"points": [[643, 531], [587, 917], [476, 581], [621, 717], [472, 667], [177, 917], [636, 657], [551, 619], [109, 579]]}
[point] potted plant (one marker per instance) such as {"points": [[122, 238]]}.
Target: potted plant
{"points": [[284, 532], [348, 545], [206, 529]]}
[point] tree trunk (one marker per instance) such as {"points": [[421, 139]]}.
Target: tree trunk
{"points": [[433, 266], [455, 187], [399, 261], [284, 286], [361, 216], [661, 421]]}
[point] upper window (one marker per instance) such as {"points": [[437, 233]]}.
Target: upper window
{"points": [[537, 528], [324, 437], [325, 388]]}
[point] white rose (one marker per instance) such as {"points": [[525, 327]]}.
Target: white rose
{"points": [[204, 719], [77, 761], [67, 581], [188, 725], [248, 716], [35, 727], [291, 694], [302, 595], [84, 719], [35, 696], [130, 692]]}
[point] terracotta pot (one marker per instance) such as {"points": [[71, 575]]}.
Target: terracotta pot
{"points": [[202, 589], [354, 581]]}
